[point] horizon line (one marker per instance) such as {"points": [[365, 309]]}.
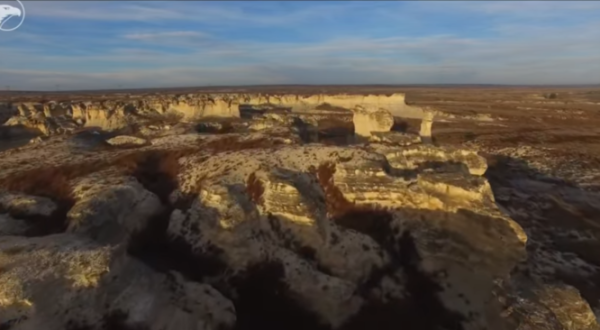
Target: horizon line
{"points": [[140, 89]]}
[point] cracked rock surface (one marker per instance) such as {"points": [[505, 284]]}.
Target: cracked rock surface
{"points": [[262, 223]]}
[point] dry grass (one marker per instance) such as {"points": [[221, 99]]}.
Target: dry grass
{"points": [[47, 182], [234, 143], [169, 118], [54, 181], [156, 170], [163, 161]]}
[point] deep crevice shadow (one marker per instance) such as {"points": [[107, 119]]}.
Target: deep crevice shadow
{"points": [[260, 295], [556, 222], [422, 308], [152, 245], [266, 302]]}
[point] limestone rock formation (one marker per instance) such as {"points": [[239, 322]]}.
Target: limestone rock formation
{"points": [[254, 224], [25, 205], [549, 306], [111, 211], [416, 156], [367, 121], [60, 117], [66, 281]]}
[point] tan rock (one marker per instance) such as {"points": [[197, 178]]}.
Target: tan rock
{"points": [[111, 213], [93, 283], [367, 121], [26, 205], [124, 140]]}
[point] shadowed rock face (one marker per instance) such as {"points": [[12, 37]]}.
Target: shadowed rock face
{"points": [[262, 227]]}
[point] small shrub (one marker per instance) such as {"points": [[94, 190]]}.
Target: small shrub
{"points": [[255, 189]]}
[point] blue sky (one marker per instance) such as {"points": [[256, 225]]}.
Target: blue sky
{"points": [[137, 44]]}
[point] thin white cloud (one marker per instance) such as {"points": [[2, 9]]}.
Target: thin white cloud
{"points": [[161, 36], [100, 11], [223, 13], [529, 8], [521, 51]]}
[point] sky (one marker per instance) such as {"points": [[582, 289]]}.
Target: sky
{"points": [[71, 45]]}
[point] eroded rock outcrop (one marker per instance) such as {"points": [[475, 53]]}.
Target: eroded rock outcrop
{"points": [[367, 121], [111, 211], [426, 124], [25, 205], [289, 206], [68, 282], [57, 118], [245, 232], [417, 156]]}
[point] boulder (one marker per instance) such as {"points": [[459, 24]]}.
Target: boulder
{"points": [[66, 281], [26, 205]]}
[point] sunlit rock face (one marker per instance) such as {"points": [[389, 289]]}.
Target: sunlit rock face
{"points": [[56, 118], [368, 121], [426, 125], [201, 219]]}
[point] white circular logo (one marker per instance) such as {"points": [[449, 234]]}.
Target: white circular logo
{"points": [[14, 13]]}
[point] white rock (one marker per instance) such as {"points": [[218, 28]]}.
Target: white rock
{"points": [[367, 121], [124, 140]]}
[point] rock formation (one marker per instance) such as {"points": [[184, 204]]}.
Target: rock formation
{"points": [[57, 118], [260, 227], [367, 121], [426, 124]]}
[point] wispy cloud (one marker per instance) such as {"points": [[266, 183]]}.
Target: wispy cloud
{"points": [[160, 35], [103, 44], [229, 12]]}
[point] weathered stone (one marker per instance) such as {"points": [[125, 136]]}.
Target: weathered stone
{"points": [[367, 121], [124, 140], [395, 138], [27, 206], [111, 213], [65, 281]]}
